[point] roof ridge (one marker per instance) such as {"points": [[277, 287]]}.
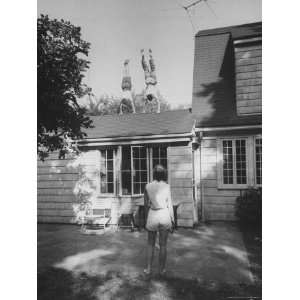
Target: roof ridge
{"points": [[139, 114]]}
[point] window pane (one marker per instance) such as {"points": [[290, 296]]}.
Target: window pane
{"points": [[107, 171], [143, 184], [228, 180], [159, 157], [136, 188], [135, 152], [143, 152], [110, 187], [136, 164], [110, 176], [227, 144], [163, 152], [155, 152], [110, 154], [164, 163], [143, 165], [110, 165], [227, 162], [155, 162], [125, 170], [126, 182], [225, 174], [241, 173], [258, 157], [136, 176], [126, 158], [143, 176]]}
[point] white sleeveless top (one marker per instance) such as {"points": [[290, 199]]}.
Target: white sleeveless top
{"points": [[159, 194]]}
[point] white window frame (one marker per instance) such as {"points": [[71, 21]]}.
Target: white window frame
{"points": [[249, 158], [114, 172]]}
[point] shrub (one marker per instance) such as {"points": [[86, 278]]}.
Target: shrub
{"points": [[249, 207]]}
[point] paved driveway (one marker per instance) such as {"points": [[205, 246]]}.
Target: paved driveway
{"points": [[210, 255]]}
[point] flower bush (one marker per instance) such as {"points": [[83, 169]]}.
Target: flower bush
{"points": [[249, 207]]}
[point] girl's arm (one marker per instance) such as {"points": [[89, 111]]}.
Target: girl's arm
{"points": [[170, 205], [146, 204]]}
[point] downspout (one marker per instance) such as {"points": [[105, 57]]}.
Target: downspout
{"points": [[195, 208], [200, 136], [195, 145]]}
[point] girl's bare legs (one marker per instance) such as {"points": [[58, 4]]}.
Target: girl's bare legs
{"points": [[150, 250], [163, 237]]}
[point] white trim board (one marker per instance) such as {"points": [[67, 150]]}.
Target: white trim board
{"points": [[224, 128], [137, 142], [136, 137]]}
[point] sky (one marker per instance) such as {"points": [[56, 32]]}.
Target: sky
{"points": [[119, 29]]}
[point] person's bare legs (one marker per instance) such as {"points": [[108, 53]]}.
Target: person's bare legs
{"points": [[163, 237], [150, 250]]}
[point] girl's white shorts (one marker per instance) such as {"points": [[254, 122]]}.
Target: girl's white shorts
{"points": [[158, 220]]}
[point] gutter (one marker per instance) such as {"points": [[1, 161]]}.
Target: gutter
{"points": [[135, 137], [182, 137], [225, 128], [247, 40]]}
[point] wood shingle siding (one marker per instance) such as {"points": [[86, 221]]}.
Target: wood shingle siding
{"points": [[227, 69], [181, 176], [248, 78], [57, 185], [248, 96], [219, 204], [247, 82]]}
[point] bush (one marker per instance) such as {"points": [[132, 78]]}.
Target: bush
{"points": [[249, 207]]}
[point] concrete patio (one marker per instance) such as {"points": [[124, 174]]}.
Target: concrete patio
{"points": [[211, 255]]}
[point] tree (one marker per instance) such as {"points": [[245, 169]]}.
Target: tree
{"points": [[104, 105], [60, 67], [110, 105]]}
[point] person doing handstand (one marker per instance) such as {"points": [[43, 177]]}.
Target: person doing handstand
{"points": [[151, 92], [126, 88]]}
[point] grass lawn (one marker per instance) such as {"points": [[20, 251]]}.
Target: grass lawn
{"points": [[80, 274], [253, 243]]}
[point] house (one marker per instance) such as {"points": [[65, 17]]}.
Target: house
{"points": [[227, 108], [211, 152]]}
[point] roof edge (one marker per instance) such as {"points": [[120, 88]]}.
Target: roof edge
{"points": [[227, 29], [137, 137]]}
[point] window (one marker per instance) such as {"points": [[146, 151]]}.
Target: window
{"points": [[137, 165], [239, 162], [126, 171], [227, 162], [139, 169], [159, 157], [107, 171], [258, 161], [233, 162]]}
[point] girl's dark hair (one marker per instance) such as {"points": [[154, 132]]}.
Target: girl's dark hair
{"points": [[159, 173]]}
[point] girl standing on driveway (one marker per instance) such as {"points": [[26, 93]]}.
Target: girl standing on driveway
{"points": [[160, 216]]}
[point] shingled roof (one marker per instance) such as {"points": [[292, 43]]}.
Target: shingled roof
{"points": [[237, 32], [128, 125], [214, 102]]}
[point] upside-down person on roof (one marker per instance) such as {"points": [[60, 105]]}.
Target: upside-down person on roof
{"points": [[151, 92], [126, 88]]}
